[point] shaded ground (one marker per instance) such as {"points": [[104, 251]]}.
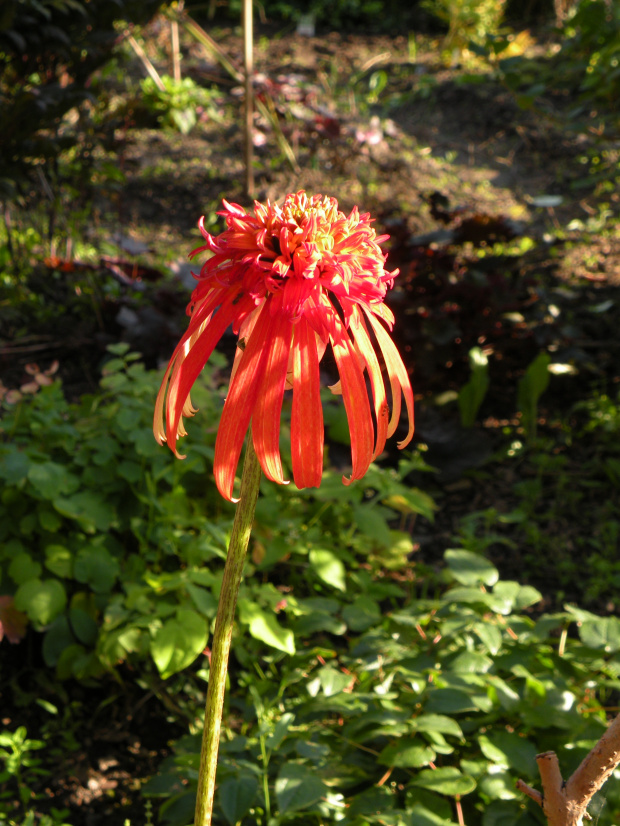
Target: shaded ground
{"points": [[458, 175]]}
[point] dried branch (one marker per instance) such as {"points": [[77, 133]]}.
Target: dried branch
{"points": [[565, 804]]}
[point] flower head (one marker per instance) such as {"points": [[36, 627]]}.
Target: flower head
{"points": [[291, 280]]}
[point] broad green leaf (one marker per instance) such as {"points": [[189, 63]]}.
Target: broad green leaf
{"points": [[280, 730], [329, 568], [517, 596], [51, 479], [448, 780], [96, 567], [59, 560], [178, 642], [371, 523], [14, 465], [498, 786], [83, 626], [57, 638], [333, 681], [407, 753], [470, 569], [601, 633], [490, 636], [88, 508], [419, 815], [412, 500], [23, 567], [471, 662], [265, 627], [236, 795], [203, 600], [41, 600], [509, 750], [361, 614], [437, 722], [451, 701], [298, 787]]}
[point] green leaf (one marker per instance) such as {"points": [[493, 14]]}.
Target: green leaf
{"points": [[517, 596], [498, 786], [472, 394], [451, 701], [23, 567], [601, 633], [178, 642], [88, 508], [236, 795], [509, 750], [14, 465], [407, 753], [412, 500], [50, 479], [470, 569], [333, 681], [448, 780], [59, 560], [362, 614], [84, 626], [265, 627], [438, 723], [97, 568], [371, 524], [298, 787], [203, 600], [280, 731], [41, 600], [329, 568], [489, 635], [57, 637], [421, 816]]}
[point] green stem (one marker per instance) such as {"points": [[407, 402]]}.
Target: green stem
{"points": [[222, 635]]}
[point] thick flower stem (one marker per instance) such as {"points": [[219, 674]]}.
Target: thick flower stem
{"points": [[222, 634]]}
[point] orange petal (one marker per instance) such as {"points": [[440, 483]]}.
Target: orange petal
{"points": [[355, 401], [266, 418], [240, 403], [367, 352], [307, 432], [399, 380], [200, 351]]}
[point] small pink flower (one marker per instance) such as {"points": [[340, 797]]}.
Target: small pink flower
{"points": [[291, 280]]}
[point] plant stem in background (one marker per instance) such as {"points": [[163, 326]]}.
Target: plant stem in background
{"points": [[248, 60], [222, 634]]}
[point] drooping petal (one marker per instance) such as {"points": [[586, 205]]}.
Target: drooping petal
{"points": [[266, 417], [367, 352], [307, 433], [356, 403], [239, 405], [188, 359], [195, 359], [399, 380]]}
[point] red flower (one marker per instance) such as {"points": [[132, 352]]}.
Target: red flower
{"points": [[291, 280]]}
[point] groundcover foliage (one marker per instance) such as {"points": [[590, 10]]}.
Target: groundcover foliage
{"points": [[365, 688]]}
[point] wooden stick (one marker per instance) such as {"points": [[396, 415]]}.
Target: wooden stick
{"points": [[248, 60]]}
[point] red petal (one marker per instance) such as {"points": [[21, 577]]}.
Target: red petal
{"points": [[184, 377], [266, 418], [307, 414], [367, 352], [240, 404], [356, 403], [399, 380]]}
